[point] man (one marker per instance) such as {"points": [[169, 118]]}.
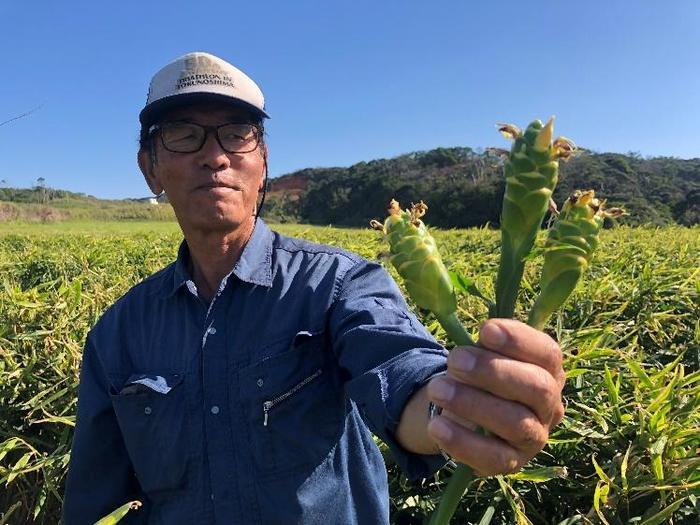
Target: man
{"points": [[236, 386]]}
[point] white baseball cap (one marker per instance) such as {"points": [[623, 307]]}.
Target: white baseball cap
{"points": [[197, 77]]}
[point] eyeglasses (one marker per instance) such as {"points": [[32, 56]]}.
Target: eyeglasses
{"points": [[188, 137]]}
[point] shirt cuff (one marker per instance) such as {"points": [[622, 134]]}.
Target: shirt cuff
{"points": [[386, 391]]}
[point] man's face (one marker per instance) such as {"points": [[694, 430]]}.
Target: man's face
{"points": [[209, 189]]}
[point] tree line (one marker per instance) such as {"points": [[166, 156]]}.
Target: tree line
{"points": [[464, 187]]}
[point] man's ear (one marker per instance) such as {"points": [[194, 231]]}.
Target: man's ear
{"points": [[147, 169], [264, 152]]}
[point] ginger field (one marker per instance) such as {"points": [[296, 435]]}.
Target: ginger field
{"points": [[628, 450]]}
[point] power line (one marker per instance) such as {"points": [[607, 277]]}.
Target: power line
{"points": [[22, 115]]}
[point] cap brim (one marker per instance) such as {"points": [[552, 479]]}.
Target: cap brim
{"points": [[153, 111]]}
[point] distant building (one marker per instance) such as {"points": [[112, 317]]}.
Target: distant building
{"points": [[148, 200]]}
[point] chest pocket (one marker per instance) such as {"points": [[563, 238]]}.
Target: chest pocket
{"points": [[150, 410], [295, 406]]}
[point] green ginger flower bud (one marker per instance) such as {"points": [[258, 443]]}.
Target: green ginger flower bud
{"points": [[568, 251], [416, 258], [531, 170]]}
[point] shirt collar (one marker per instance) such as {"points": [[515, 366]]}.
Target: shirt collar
{"points": [[254, 265]]}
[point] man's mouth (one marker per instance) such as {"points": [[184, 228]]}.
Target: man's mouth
{"points": [[217, 185]]}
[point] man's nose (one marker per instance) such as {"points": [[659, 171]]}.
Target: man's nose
{"points": [[212, 155]]}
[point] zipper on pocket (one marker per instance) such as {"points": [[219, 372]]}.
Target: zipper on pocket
{"points": [[267, 405]]}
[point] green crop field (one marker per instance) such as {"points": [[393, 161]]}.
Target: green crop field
{"points": [[627, 450]]}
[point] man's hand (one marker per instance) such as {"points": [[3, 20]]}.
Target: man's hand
{"points": [[510, 386]]}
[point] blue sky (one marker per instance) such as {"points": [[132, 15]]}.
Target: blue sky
{"points": [[347, 81]]}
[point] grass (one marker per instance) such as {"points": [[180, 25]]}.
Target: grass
{"points": [[121, 227], [626, 452], [88, 227]]}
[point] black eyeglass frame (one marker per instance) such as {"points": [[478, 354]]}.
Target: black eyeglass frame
{"points": [[156, 128]]}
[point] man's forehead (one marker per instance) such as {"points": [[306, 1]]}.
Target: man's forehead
{"points": [[207, 111]]}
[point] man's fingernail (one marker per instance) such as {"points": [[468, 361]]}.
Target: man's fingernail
{"points": [[463, 360], [492, 336], [441, 390], [439, 430]]}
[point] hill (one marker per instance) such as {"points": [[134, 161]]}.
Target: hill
{"points": [[43, 204], [463, 187]]}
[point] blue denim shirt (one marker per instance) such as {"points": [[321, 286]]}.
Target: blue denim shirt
{"points": [[254, 409]]}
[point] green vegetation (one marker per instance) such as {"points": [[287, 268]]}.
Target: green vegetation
{"points": [[97, 228], [465, 187], [531, 174], [628, 444], [117, 515], [571, 242], [415, 256], [47, 205]]}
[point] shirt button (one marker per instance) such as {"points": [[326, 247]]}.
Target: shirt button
{"points": [[212, 330], [215, 410], [260, 382], [147, 410]]}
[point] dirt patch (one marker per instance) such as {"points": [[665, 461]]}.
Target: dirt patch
{"points": [[31, 213]]}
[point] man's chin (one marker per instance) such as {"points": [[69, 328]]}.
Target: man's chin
{"points": [[216, 220]]}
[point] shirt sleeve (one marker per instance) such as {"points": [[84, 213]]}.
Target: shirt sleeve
{"points": [[100, 476], [388, 355]]}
